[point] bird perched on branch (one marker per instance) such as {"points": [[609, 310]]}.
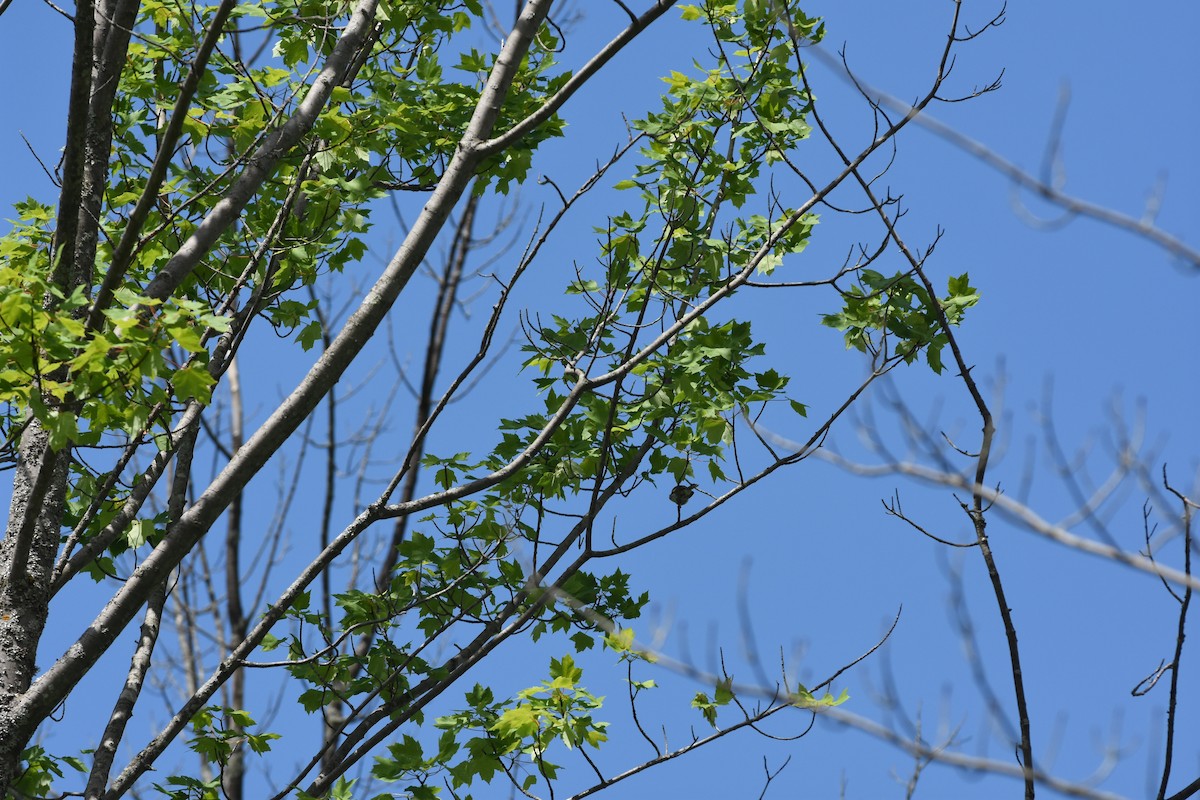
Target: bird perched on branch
{"points": [[682, 493]]}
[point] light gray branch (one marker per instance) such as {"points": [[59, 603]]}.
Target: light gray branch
{"points": [[261, 165], [577, 80], [1013, 509]]}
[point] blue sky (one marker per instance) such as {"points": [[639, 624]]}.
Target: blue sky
{"points": [[1109, 320]]}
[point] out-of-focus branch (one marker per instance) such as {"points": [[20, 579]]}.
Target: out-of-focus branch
{"points": [[918, 748], [942, 755], [1142, 227], [1013, 509]]}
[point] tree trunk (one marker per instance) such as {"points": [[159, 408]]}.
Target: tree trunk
{"points": [[26, 560]]}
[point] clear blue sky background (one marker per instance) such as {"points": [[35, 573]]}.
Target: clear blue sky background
{"points": [[1109, 319]]}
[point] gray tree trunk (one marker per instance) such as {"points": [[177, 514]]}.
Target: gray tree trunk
{"points": [[26, 560]]}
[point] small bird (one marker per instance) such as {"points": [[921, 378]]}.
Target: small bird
{"points": [[682, 493]]}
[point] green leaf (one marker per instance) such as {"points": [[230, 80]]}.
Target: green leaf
{"points": [[261, 742], [139, 533], [188, 338], [309, 335], [62, 427], [933, 356], [706, 707], [193, 382], [621, 641], [565, 673], [519, 722]]}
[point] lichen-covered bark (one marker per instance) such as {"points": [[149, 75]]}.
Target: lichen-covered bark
{"points": [[32, 533], [26, 559]]}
